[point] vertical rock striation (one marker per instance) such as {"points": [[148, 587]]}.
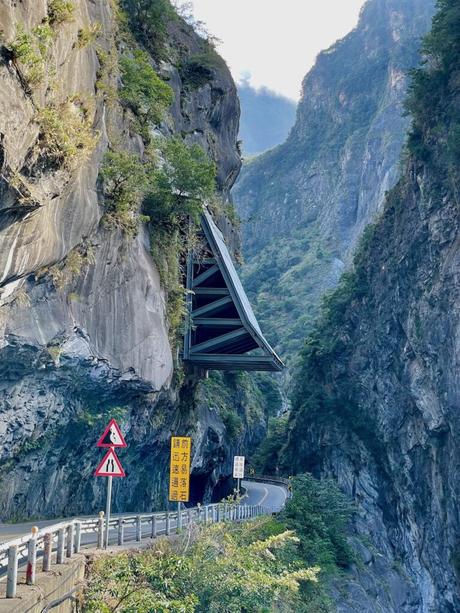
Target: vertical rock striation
{"points": [[306, 202], [71, 357], [377, 395]]}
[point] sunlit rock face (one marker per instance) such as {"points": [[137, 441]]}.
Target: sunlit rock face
{"points": [[306, 202], [71, 357]]}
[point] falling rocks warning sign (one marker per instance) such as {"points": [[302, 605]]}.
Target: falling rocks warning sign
{"points": [[112, 436]]}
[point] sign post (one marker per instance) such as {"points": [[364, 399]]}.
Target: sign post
{"points": [[179, 473], [238, 470], [110, 466]]}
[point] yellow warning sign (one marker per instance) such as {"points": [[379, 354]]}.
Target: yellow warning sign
{"points": [[179, 473]]}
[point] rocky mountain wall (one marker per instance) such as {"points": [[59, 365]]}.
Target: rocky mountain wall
{"points": [[83, 329], [377, 397], [306, 203]]}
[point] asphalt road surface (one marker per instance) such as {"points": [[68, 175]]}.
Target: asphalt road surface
{"points": [[264, 494]]}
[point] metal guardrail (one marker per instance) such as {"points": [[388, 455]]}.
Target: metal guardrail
{"points": [[270, 479], [65, 538]]}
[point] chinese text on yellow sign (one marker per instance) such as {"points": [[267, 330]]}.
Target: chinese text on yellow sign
{"points": [[179, 475]]}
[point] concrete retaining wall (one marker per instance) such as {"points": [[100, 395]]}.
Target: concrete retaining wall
{"points": [[49, 587]]}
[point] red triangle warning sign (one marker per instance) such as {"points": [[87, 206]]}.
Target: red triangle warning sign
{"points": [[112, 436], [110, 466]]}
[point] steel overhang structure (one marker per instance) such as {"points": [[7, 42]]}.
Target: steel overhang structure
{"points": [[222, 331]]}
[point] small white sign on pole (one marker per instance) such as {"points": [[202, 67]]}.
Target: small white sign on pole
{"points": [[238, 467]]}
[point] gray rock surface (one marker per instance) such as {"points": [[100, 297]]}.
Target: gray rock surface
{"points": [[306, 203], [390, 436], [70, 358]]}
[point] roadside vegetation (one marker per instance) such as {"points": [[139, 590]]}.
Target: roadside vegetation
{"points": [[267, 564]]}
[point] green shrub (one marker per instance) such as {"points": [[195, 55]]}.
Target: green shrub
{"points": [[66, 272], [66, 133], [232, 422], [319, 513], [87, 36], [226, 569], [126, 179], [198, 69], [149, 20], [185, 182], [267, 457], [432, 101], [143, 91], [30, 50], [60, 11]]}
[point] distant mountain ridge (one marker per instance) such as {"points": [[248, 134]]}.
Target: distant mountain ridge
{"points": [[266, 118], [306, 202]]}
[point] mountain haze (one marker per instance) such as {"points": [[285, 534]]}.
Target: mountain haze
{"points": [[266, 118], [306, 202], [377, 400]]}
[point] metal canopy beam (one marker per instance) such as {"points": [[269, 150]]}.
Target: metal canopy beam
{"points": [[212, 307], [205, 345], [205, 275], [216, 322], [219, 341]]}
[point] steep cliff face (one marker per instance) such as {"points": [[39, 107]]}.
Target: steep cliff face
{"points": [[307, 201], [83, 329], [377, 395]]}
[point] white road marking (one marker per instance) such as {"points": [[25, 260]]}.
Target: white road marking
{"points": [[266, 494]]}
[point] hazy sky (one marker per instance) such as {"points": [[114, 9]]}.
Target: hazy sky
{"points": [[275, 41]]}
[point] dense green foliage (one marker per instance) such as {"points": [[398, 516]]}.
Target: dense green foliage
{"points": [[198, 69], [126, 181], [433, 101], [319, 512], [143, 91], [183, 184], [60, 11], [31, 51], [66, 133], [249, 567], [280, 274], [268, 455], [149, 20], [308, 187]]}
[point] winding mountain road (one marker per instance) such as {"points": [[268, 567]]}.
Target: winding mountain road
{"points": [[265, 494], [256, 493]]}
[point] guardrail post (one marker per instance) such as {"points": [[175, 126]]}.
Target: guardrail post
{"points": [[179, 519], [60, 546], [154, 526], [189, 517], [47, 549], [32, 557], [168, 524], [121, 531], [138, 528], [100, 530], [198, 513], [206, 514], [70, 537], [12, 572], [77, 543]]}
